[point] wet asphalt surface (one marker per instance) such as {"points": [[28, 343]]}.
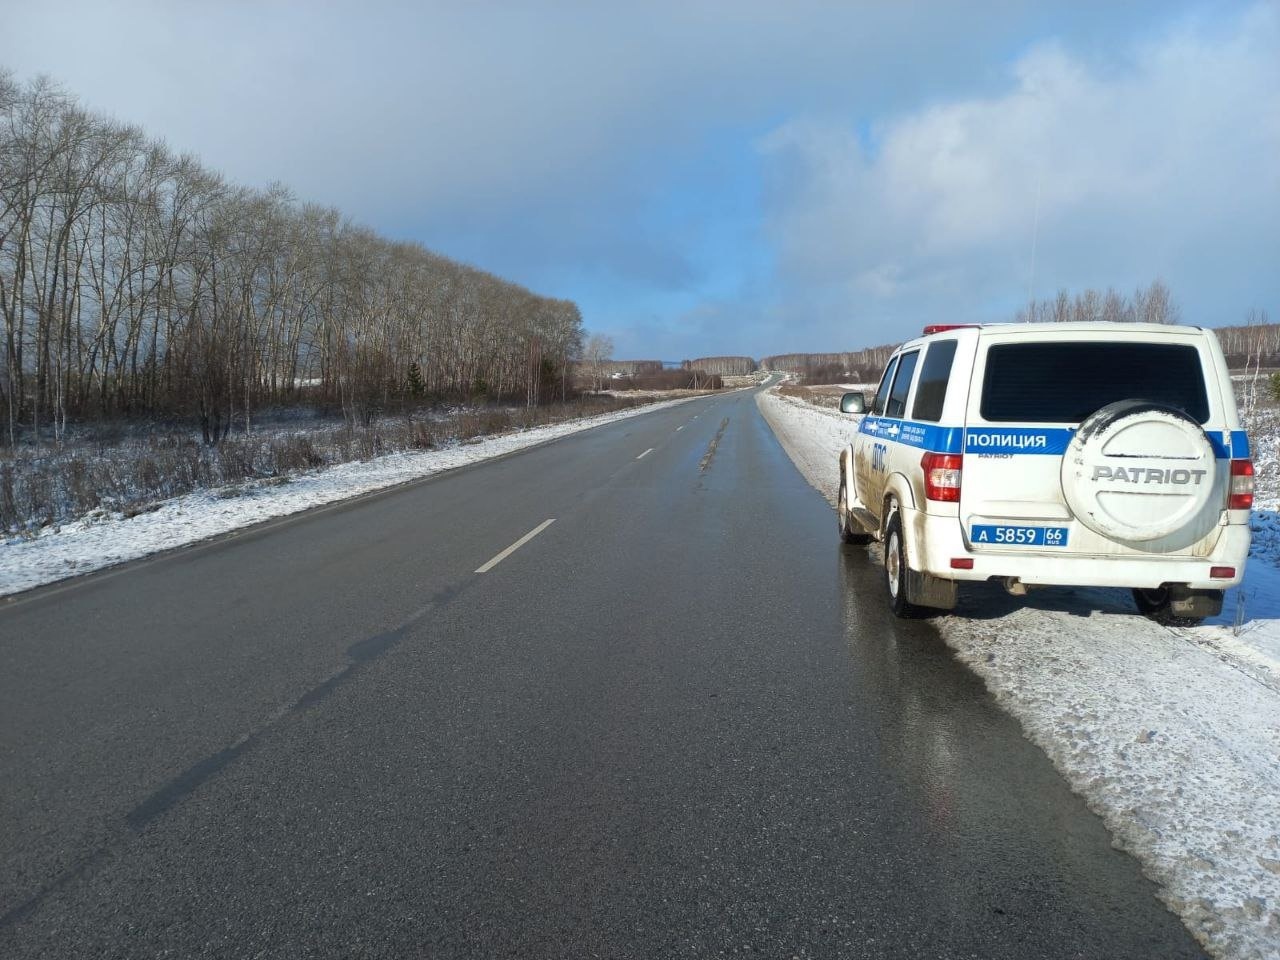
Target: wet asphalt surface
{"points": [[678, 722]]}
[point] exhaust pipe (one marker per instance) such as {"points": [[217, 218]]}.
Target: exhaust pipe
{"points": [[1014, 587]]}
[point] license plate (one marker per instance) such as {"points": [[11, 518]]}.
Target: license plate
{"points": [[1019, 536]]}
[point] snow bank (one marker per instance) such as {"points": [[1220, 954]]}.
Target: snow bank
{"points": [[104, 539], [1171, 736]]}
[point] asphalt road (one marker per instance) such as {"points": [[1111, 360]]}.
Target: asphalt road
{"points": [[676, 722]]}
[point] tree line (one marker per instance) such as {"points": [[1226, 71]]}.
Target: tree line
{"points": [[136, 282], [722, 366], [1151, 304], [663, 379], [1254, 343], [854, 366], [712, 366], [631, 368]]}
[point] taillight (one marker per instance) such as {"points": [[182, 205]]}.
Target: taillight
{"points": [[942, 476], [1240, 494]]}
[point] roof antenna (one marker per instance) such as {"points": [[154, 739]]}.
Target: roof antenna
{"points": [[1035, 235]]}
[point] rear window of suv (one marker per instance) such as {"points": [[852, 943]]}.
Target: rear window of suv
{"points": [[1065, 382]]}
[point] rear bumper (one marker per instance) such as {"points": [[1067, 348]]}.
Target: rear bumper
{"points": [[937, 540]]}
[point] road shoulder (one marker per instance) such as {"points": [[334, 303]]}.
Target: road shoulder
{"points": [[1171, 736]]}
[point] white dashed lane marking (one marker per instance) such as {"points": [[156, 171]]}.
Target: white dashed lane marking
{"points": [[516, 546]]}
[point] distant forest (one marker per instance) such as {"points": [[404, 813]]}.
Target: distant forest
{"points": [[136, 282], [1256, 342], [850, 366], [722, 366]]}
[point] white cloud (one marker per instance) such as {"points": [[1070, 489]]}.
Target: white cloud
{"points": [[1164, 164]]}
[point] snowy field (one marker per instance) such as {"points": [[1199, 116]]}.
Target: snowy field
{"points": [[1171, 735], [103, 539]]}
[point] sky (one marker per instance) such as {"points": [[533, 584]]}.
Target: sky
{"points": [[736, 177]]}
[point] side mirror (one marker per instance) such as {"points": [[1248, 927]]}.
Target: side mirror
{"points": [[853, 403]]}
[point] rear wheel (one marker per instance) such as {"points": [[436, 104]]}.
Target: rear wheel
{"points": [[895, 570], [850, 531], [1157, 605]]}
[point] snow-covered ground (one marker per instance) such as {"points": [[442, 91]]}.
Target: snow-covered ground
{"points": [[104, 539], [649, 394], [1171, 735]]}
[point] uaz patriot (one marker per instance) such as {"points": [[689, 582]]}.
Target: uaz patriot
{"points": [[1084, 454]]}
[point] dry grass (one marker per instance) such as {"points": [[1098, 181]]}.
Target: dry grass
{"points": [[825, 395], [745, 380], [106, 471], [1260, 413]]}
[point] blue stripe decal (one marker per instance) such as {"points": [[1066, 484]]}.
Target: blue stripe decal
{"points": [[1229, 445], [1239, 444], [1044, 440], [1052, 441], [926, 436]]}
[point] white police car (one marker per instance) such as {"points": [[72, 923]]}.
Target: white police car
{"points": [[1083, 454]]}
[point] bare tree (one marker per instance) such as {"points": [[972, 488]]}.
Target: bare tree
{"points": [[1087, 307], [136, 282], [595, 355], [1257, 326], [1115, 309], [1154, 304], [1062, 311]]}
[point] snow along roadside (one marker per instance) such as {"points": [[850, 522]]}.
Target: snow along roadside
{"points": [[105, 539], [1171, 736]]}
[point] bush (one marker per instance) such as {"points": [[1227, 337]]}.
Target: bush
{"points": [[816, 374], [1274, 384], [297, 452], [421, 436]]}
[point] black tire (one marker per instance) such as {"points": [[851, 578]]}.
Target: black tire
{"points": [[895, 571], [850, 532], [1154, 605]]}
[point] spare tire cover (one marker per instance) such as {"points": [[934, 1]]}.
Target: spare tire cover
{"points": [[1140, 471]]}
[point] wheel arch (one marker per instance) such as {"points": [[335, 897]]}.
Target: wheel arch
{"points": [[846, 464], [897, 489]]}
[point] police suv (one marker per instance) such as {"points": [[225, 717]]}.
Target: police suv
{"points": [[1083, 454]]}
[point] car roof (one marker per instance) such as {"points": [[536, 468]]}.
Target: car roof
{"points": [[1107, 327]]}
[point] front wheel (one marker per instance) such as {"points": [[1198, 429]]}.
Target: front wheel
{"points": [[896, 570], [850, 532]]}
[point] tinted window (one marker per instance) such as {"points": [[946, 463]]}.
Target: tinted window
{"points": [[882, 392], [931, 391], [1066, 382], [902, 385]]}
